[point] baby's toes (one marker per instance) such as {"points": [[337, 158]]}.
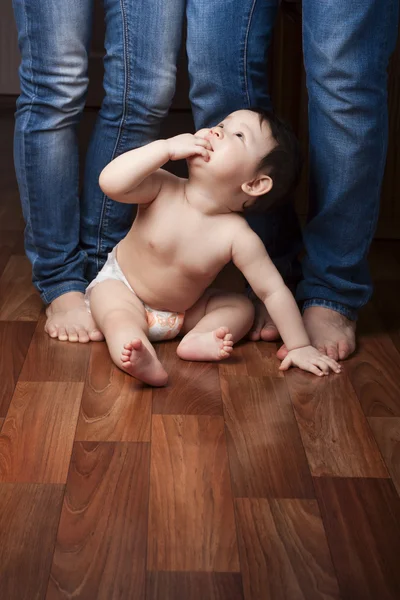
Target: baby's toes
{"points": [[222, 332]]}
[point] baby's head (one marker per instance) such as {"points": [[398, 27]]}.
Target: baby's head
{"points": [[255, 153], [282, 163]]}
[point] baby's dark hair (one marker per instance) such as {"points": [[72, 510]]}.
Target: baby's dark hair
{"points": [[282, 163]]}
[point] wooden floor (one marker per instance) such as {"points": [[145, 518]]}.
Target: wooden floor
{"points": [[234, 482]]}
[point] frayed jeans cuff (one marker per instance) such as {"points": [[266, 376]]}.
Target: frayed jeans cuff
{"points": [[348, 312], [71, 286]]}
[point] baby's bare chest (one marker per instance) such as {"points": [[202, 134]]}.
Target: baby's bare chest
{"points": [[194, 244]]}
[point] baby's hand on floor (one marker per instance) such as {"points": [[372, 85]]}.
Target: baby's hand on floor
{"points": [[187, 145], [310, 359]]}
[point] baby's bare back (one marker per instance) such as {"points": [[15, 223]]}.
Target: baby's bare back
{"points": [[173, 252]]}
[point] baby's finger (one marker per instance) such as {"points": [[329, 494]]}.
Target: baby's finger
{"points": [[332, 364], [285, 364], [313, 369], [199, 151], [322, 365], [203, 142]]}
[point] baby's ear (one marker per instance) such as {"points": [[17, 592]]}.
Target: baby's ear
{"points": [[260, 185]]}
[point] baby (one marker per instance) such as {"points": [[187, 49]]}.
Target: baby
{"points": [[154, 285]]}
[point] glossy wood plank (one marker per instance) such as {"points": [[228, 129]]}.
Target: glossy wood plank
{"points": [[52, 360], [362, 523], [191, 517], [193, 387], [19, 301], [29, 515], [283, 550], [38, 432], [387, 434], [257, 359], [374, 370], [15, 338], [11, 242], [101, 543], [169, 585], [115, 407], [386, 300], [266, 455], [335, 432]]}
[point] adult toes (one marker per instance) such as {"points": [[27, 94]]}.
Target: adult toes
{"points": [[282, 352], [72, 334], [52, 330], [345, 349], [269, 333], [83, 336], [95, 335], [331, 350], [62, 334]]}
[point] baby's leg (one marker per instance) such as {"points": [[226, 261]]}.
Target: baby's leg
{"points": [[121, 317], [214, 324]]}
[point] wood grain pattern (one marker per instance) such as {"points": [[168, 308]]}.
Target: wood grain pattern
{"points": [[362, 522], [387, 305], [374, 370], [191, 518], [101, 543], [19, 301], [335, 433], [387, 434], [29, 515], [15, 338], [41, 416], [266, 454], [169, 585], [51, 360], [115, 407], [283, 550], [193, 387], [11, 242], [254, 359]]}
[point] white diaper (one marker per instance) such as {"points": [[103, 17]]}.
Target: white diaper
{"points": [[163, 325]]}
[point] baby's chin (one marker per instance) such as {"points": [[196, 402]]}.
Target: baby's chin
{"points": [[194, 162]]}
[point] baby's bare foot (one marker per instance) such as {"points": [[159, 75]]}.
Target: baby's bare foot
{"points": [[263, 327], [68, 319], [139, 362], [213, 345], [329, 331]]}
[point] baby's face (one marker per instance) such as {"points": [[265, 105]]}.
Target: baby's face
{"points": [[238, 144]]}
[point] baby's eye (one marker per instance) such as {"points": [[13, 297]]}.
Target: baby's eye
{"points": [[239, 135], [221, 125]]}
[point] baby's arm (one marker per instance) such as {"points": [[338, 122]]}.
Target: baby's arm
{"points": [[250, 256], [136, 177]]}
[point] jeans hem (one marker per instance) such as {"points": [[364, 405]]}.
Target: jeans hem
{"points": [[72, 286], [344, 310]]}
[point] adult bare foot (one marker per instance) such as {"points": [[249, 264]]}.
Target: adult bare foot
{"points": [[329, 331], [68, 319], [139, 362], [213, 345], [263, 327]]}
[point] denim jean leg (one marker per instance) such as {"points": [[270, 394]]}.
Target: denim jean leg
{"points": [[346, 69], [237, 36], [142, 46], [53, 38]]}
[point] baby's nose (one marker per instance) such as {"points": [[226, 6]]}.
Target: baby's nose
{"points": [[217, 131]]}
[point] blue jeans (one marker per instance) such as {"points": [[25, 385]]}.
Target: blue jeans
{"points": [[67, 235], [347, 45]]}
